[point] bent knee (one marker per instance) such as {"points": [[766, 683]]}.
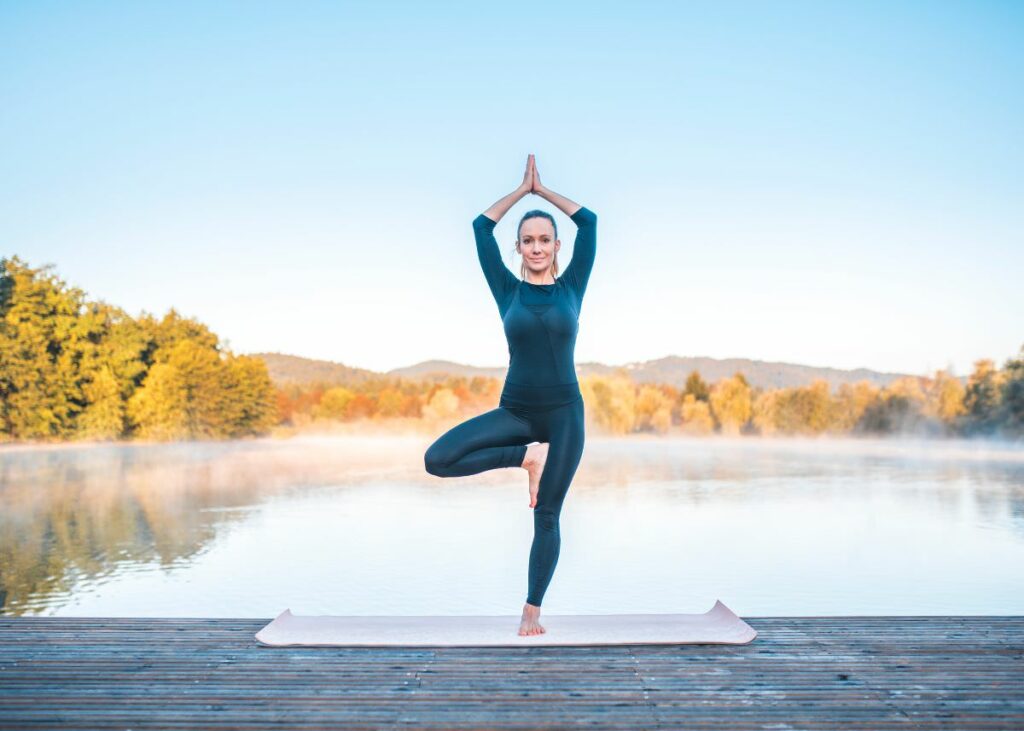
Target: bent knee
{"points": [[434, 461]]}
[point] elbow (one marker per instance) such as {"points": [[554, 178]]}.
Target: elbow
{"points": [[585, 216], [483, 223]]}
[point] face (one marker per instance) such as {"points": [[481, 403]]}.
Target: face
{"points": [[537, 244]]}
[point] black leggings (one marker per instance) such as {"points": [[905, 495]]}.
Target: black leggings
{"points": [[498, 438]]}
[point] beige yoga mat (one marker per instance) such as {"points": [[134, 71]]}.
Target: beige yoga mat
{"points": [[718, 625]]}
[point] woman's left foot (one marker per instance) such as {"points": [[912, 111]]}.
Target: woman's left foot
{"points": [[533, 462], [530, 624]]}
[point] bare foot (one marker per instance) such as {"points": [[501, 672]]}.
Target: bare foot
{"points": [[533, 462], [530, 624]]}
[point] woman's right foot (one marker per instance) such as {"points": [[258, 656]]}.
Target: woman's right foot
{"points": [[533, 462]]}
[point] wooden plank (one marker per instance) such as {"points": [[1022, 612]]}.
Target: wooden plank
{"points": [[801, 672]]}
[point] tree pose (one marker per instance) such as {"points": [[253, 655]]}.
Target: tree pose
{"points": [[538, 424]]}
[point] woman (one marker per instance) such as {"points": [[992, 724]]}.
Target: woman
{"points": [[541, 400]]}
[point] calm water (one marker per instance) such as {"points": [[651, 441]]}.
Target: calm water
{"points": [[355, 526]]}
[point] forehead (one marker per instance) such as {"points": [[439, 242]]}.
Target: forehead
{"points": [[537, 226]]}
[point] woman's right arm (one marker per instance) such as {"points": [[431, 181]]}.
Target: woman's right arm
{"points": [[499, 277]]}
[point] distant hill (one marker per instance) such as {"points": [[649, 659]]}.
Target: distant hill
{"points": [[673, 369], [432, 369], [288, 369]]}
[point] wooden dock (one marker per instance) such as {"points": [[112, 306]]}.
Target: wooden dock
{"points": [[804, 672]]}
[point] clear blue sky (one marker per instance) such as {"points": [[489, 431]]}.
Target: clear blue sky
{"points": [[828, 184]]}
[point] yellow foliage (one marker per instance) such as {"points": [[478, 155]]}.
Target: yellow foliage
{"points": [[696, 416], [444, 404], [611, 402], [945, 398], [334, 403], [766, 412], [103, 416], [850, 403], [653, 410], [730, 403]]}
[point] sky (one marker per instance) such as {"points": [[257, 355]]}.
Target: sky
{"points": [[818, 183]]}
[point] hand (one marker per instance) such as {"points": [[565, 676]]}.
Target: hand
{"points": [[527, 185], [536, 187]]}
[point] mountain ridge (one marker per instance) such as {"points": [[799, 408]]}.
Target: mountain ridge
{"points": [[670, 369]]}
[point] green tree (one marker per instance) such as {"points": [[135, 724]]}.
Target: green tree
{"points": [[1012, 398], [982, 399], [696, 385]]}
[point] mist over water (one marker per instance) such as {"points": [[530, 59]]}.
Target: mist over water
{"points": [[348, 525]]}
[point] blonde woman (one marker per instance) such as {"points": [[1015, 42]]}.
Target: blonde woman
{"points": [[541, 400]]}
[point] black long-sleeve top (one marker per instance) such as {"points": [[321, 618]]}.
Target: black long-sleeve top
{"points": [[541, 321]]}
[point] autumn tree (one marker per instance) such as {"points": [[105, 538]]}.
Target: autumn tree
{"points": [[730, 403], [695, 416], [696, 386], [74, 369], [40, 391], [611, 402], [653, 410], [944, 400]]}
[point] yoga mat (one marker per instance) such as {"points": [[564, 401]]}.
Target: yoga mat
{"points": [[718, 625]]}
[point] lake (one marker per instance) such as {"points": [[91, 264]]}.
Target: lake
{"points": [[349, 525]]}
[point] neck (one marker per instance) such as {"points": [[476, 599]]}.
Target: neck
{"points": [[544, 278]]}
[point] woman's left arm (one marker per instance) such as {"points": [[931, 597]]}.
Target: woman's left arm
{"points": [[577, 274]]}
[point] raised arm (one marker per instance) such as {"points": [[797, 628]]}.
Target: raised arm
{"points": [[577, 274], [499, 277]]}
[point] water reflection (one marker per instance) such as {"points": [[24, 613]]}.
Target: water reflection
{"points": [[349, 525]]}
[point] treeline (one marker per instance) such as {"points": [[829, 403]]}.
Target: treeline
{"points": [[75, 369], [990, 404]]}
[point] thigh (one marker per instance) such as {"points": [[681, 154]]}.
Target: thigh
{"points": [[564, 432], [495, 428]]}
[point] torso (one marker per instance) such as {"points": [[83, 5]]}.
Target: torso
{"points": [[541, 324]]}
